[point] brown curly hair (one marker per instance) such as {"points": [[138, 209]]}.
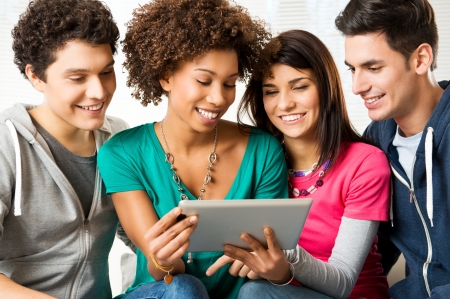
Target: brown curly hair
{"points": [[47, 25], [163, 33]]}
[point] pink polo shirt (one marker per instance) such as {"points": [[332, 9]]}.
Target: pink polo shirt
{"points": [[357, 187]]}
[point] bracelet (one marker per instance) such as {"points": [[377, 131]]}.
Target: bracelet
{"points": [[168, 278], [290, 280]]}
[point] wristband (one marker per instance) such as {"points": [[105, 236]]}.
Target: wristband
{"points": [[168, 278], [290, 280]]}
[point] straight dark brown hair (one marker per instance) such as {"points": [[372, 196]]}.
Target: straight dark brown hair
{"points": [[302, 50]]}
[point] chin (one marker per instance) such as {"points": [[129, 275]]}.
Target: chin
{"points": [[91, 126]]}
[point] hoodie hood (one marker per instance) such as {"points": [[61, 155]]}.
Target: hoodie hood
{"points": [[19, 122]]}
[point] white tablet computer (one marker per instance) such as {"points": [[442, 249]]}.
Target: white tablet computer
{"points": [[222, 222]]}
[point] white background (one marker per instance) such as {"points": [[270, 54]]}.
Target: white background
{"points": [[316, 16]]}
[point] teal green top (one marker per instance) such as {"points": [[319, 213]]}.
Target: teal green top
{"points": [[135, 160]]}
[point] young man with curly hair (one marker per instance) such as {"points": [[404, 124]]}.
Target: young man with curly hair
{"points": [[57, 225], [391, 49]]}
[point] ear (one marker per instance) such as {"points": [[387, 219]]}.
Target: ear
{"points": [[37, 83], [166, 81], [423, 58]]}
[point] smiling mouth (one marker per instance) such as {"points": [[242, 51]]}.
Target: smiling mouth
{"points": [[92, 108], [292, 117], [373, 100], [207, 114]]}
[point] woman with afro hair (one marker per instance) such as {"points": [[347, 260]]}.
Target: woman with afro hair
{"points": [[192, 52]]}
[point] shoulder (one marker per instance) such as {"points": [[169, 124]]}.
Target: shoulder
{"points": [[116, 124], [381, 131], [363, 155], [129, 135], [123, 140]]}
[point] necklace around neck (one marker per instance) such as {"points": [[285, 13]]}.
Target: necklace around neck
{"points": [[212, 158], [304, 192]]}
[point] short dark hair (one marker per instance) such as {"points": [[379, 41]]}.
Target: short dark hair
{"points": [[406, 23], [164, 33], [302, 50], [47, 25]]}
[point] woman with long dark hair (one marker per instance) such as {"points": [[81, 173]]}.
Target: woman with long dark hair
{"points": [[296, 95]]}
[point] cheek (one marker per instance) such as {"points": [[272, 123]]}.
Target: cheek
{"points": [[268, 105], [111, 85]]}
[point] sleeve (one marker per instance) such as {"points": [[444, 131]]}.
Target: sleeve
{"points": [[369, 190], [440, 292], [389, 252], [7, 175], [124, 237], [117, 167], [273, 181], [337, 277]]}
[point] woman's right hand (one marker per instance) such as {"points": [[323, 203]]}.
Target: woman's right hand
{"points": [[168, 239]]}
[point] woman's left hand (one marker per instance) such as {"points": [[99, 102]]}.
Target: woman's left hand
{"points": [[268, 263]]}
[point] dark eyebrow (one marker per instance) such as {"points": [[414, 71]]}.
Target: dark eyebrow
{"points": [[290, 82], [74, 70], [268, 85], [367, 63], [214, 74], [297, 79]]}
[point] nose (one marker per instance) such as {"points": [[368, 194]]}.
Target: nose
{"points": [[360, 83], [218, 96], [285, 102], [96, 89]]}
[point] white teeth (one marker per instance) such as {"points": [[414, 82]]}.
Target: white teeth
{"points": [[207, 114], [96, 107], [372, 100], [291, 117]]}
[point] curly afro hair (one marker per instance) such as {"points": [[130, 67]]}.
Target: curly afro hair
{"points": [[164, 33], [47, 25]]}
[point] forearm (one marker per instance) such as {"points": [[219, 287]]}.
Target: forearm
{"points": [[337, 277], [12, 290]]}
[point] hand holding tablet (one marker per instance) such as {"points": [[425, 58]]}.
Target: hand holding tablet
{"points": [[222, 222]]}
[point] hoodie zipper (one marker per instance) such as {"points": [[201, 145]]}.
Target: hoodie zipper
{"points": [[86, 229], [412, 197]]}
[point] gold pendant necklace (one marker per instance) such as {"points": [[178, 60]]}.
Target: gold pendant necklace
{"points": [[212, 158]]}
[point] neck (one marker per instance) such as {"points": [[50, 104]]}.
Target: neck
{"points": [[302, 154], [75, 140], [183, 139], [427, 96]]}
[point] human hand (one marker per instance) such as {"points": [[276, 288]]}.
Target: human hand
{"points": [[237, 268], [168, 239], [268, 263]]}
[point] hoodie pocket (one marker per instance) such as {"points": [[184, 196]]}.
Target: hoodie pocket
{"points": [[49, 278]]}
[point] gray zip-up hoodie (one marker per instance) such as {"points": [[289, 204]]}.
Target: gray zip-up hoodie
{"points": [[46, 243]]}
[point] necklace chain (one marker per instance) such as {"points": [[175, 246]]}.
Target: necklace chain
{"points": [[212, 158]]}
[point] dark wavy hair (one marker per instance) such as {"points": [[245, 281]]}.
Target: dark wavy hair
{"points": [[47, 25], [164, 33], [302, 50], [406, 23]]}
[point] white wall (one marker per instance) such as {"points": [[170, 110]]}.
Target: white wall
{"points": [[312, 15]]}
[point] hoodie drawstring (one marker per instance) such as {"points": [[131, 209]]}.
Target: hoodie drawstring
{"points": [[429, 172], [18, 189]]}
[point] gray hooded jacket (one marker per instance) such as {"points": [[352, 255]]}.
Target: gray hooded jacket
{"points": [[46, 243]]}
